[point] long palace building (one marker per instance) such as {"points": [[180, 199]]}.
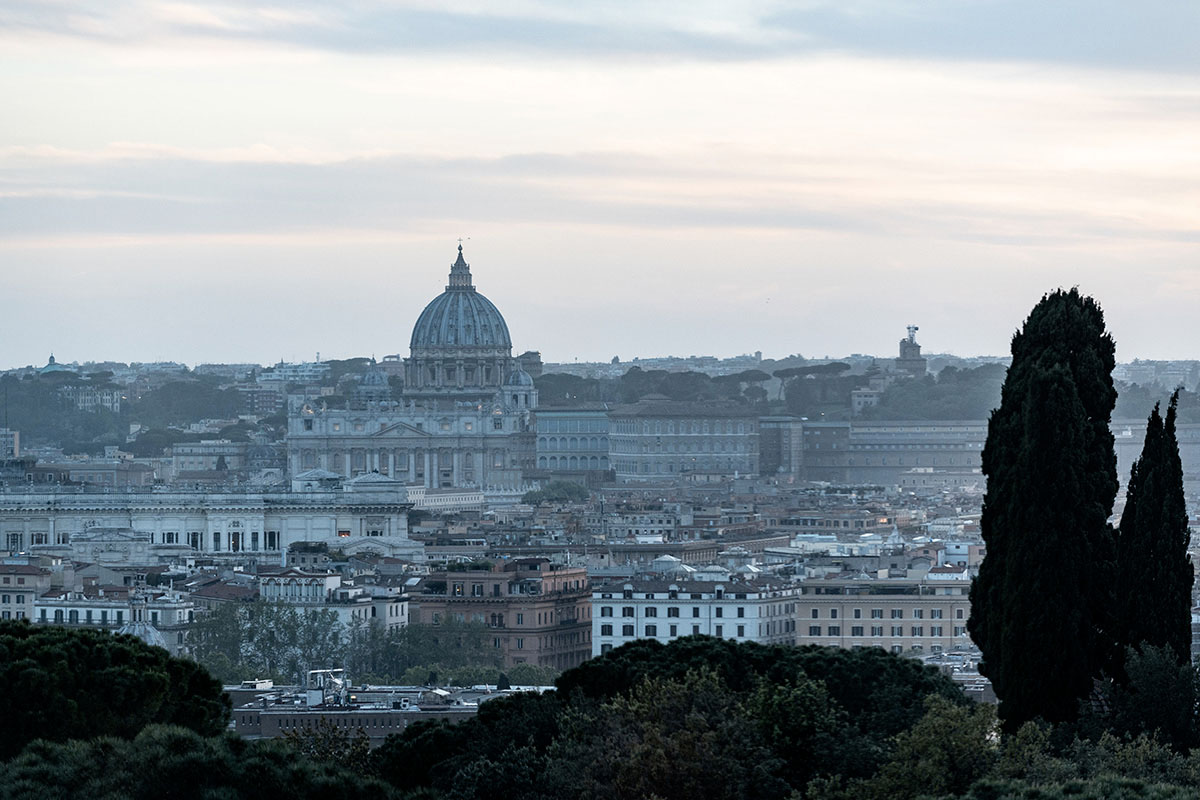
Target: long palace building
{"points": [[159, 526]]}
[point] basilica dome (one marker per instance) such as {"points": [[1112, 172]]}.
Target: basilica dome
{"points": [[460, 317]]}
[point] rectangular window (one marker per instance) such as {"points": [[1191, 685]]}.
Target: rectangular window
{"points": [[918, 630], [627, 611], [606, 611], [216, 540], [695, 611], [960, 630], [741, 630], [835, 630], [816, 614], [935, 613], [958, 613], [897, 613], [520, 619], [651, 612], [720, 611], [674, 630], [741, 612], [876, 613], [814, 630], [652, 630], [858, 613], [897, 630], [627, 630], [520, 644], [606, 630], [719, 631], [695, 629], [833, 613], [856, 630], [935, 630], [673, 611], [918, 613]]}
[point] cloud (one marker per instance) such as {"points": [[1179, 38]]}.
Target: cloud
{"points": [[1152, 34]]}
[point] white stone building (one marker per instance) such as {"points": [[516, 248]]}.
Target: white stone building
{"points": [[746, 610], [154, 526]]}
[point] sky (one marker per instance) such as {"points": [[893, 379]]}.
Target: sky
{"points": [[246, 182]]}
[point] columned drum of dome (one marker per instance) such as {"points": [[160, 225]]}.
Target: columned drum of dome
{"points": [[460, 344]]}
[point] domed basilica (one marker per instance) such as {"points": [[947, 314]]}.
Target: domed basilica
{"points": [[462, 419]]}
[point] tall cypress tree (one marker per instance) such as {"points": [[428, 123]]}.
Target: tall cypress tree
{"points": [[1040, 608], [1154, 571]]}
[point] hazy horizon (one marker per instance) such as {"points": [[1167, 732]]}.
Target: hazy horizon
{"points": [[210, 182]]}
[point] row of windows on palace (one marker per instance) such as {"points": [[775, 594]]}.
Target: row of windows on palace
{"points": [[625, 466], [13, 606], [357, 459], [896, 631], [631, 426], [573, 443], [445, 425], [651, 612], [235, 540], [707, 446], [572, 462], [787, 626]]}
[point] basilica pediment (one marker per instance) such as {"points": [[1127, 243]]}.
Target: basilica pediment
{"points": [[402, 429]]}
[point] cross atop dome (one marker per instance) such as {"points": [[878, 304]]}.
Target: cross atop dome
{"points": [[460, 272]]}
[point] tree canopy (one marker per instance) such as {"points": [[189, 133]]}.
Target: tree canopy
{"points": [[1154, 577], [68, 683], [1040, 609]]}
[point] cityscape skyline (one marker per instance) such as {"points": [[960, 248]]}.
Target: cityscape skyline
{"points": [[204, 182]]}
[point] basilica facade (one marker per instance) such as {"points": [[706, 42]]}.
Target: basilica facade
{"points": [[462, 419]]}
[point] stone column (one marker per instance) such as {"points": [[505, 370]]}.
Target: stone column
{"points": [[428, 472]]}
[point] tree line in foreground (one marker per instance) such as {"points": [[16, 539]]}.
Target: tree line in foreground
{"points": [[698, 718]]}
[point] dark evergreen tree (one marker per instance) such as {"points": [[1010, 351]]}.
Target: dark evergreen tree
{"points": [[1154, 571], [1041, 606]]}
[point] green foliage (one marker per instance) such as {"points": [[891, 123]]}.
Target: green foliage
{"points": [[1153, 592], [237, 641], [684, 739], [174, 762], [636, 384], [63, 683], [1040, 608], [152, 443], [954, 394], [1157, 697], [558, 492], [947, 751], [331, 743], [35, 408], [183, 402]]}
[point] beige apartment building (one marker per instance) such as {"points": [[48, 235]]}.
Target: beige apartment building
{"points": [[538, 612], [925, 614]]}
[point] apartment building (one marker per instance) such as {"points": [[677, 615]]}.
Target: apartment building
{"points": [[746, 610], [911, 614]]}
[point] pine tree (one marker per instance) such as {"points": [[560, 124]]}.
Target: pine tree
{"points": [[1154, 577], [1041, 606]]}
